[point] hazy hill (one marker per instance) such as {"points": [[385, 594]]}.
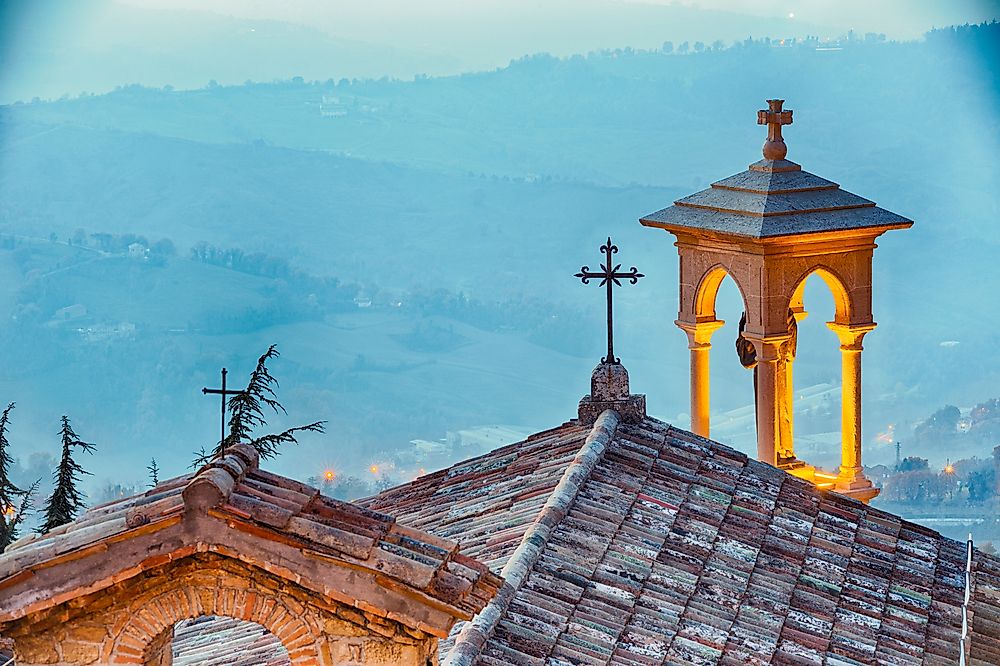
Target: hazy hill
{"points": [[57, 48], [124, 346], [370, 222], [613, 117]]}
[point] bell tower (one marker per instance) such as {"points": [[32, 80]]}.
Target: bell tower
{"points": [[769, 228]]}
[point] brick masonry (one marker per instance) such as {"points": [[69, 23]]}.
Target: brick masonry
{"points": [[131, 622]]}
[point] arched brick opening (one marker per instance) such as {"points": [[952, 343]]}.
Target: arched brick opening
{"points": [[151, 618], [216, 640]]}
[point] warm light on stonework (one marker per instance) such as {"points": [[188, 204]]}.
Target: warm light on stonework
{"points": [[769, 229]]}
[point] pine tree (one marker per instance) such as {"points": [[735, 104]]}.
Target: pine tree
{"points": [[9, 493], [247, 413], [66, 499], [154, 473], [14, 516]]}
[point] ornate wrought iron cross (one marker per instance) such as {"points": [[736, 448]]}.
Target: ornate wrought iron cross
{"points": [[224, 393], [609, 277]]}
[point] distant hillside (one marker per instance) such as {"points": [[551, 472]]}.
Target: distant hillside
{"points": [[371, 222], [55, 48], [615, 117], [124, 344]]}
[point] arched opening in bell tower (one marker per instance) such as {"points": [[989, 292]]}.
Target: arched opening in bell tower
{"points": [[719, 382], [818, 299]]}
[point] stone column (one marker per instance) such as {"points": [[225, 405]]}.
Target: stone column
{"points": [[699, 343], [788, 390], [773, 423], [786, 408], [851, 474]]}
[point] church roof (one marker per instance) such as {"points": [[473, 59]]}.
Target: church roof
{"points": [[233, 508], [630, 541], [774, 197]]}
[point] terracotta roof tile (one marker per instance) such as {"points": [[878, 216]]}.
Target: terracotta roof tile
{"points": [[248, 501], [676, 549]]}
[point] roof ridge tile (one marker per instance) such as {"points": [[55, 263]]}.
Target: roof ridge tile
{"points": [[473, 636]]}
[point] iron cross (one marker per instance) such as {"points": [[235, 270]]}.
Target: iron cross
{"points": [[223, 392], [609, 276]]}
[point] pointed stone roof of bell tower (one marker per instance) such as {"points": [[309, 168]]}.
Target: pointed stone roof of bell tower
{"points": [[774, 197]]}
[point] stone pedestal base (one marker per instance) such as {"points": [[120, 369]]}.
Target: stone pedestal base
{"points": [[632, 410], [609, 390], [859, 488]]}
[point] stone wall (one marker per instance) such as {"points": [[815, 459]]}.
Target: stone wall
{"points": [[132, 622]]}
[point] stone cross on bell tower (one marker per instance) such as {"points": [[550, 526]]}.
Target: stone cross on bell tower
{"points": [[768, 229], [774, 118]]}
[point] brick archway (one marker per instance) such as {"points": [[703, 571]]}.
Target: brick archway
{"points": [[132, 623], [151, 618]]}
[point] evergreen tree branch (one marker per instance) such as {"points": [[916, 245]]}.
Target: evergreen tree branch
{"points": [[249, 411], [267, 446], [203, 457]]}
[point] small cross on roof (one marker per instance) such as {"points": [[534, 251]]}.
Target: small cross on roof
{"points": [[609, 277]]}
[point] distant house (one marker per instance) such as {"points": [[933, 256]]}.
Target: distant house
{"points": [[100, 332], [485, 437], [363, 301], [137, 251], [332, 107], [70, 312]]}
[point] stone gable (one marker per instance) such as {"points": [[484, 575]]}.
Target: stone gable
{"points": [[333, 582]]}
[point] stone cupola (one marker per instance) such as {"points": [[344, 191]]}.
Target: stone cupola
{"points": [[769, 228]]}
